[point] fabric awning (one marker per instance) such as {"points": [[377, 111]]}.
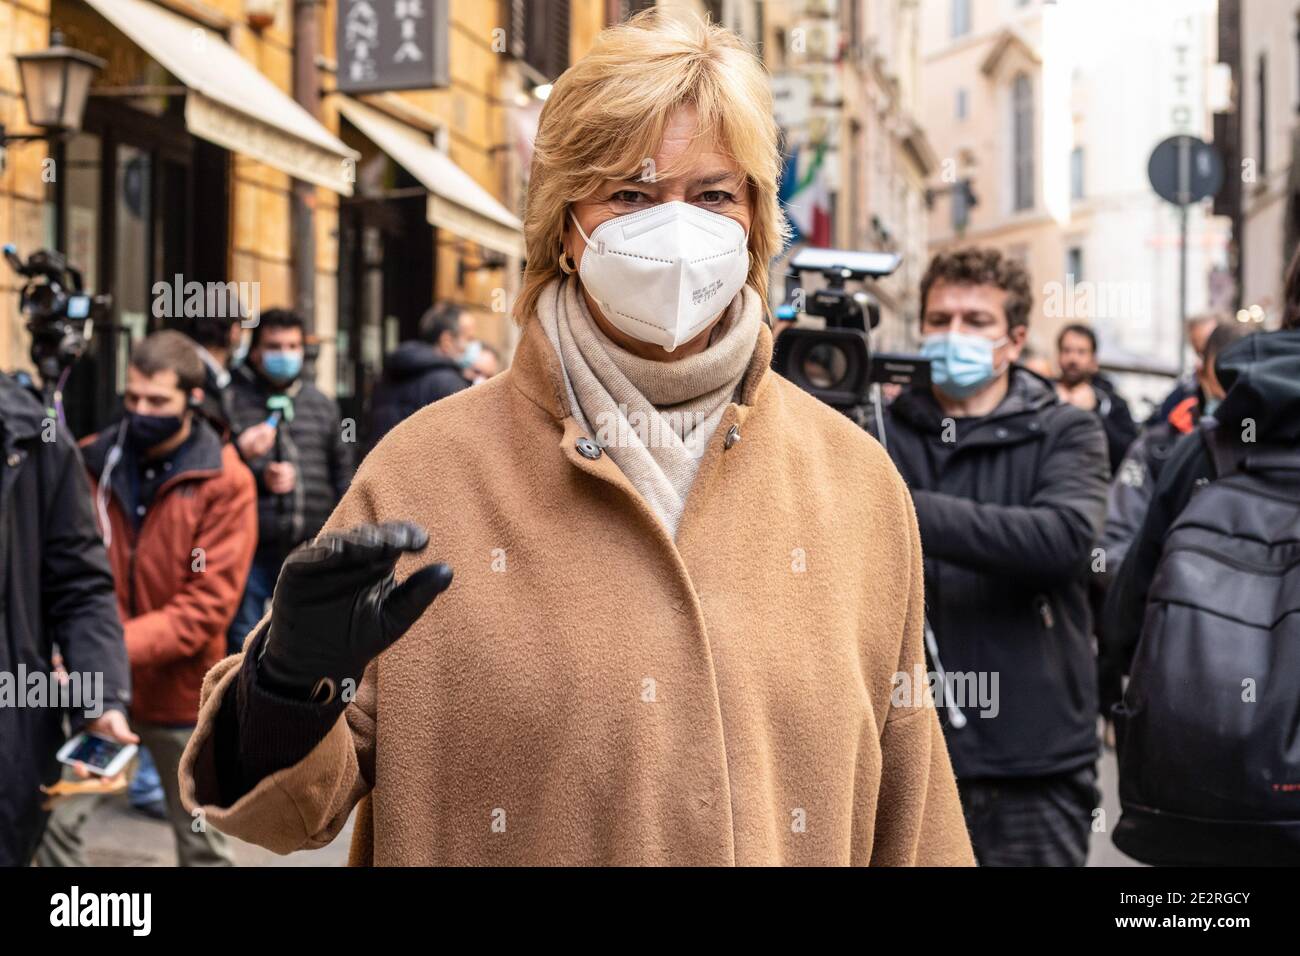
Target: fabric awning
{"points": [[230, 102], [457, 202]]}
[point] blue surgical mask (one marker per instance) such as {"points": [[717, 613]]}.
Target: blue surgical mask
{"points": [[282, 366], [471, 354], [960, 365]]}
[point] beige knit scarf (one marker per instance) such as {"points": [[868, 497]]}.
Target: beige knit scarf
{"points": [[654, 419]]}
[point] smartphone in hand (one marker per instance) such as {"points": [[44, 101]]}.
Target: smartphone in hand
{"points": [[99, 755]]}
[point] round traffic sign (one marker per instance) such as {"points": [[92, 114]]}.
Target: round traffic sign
{"points": [[1185, 169]]}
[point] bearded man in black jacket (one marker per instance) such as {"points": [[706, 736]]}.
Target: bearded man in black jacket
{"points": [[1009, 485], [1083, 385]]}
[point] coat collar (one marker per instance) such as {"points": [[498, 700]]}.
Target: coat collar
{"points": [[1017, 417], [537, 374], [198, 457]]}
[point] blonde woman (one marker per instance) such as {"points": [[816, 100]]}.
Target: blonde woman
{"points": [[685, 591]]}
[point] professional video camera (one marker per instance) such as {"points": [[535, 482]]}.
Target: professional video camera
{"points": [[60, 316], [835, 363]]}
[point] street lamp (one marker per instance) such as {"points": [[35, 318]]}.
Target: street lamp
{"points": [[56, 83]]}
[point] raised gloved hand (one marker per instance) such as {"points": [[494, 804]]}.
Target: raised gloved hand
{"points": [[337, 606]]}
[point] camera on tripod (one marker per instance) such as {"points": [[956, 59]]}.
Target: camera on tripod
{"points": [[835, 364], [60, 315]]}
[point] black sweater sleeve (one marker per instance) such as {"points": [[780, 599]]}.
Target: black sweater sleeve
{"points": [[259, 732]]}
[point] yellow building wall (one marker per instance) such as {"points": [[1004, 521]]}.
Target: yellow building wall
{"points": [[24, 26], [261, 243]]}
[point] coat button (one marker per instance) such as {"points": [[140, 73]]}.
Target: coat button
{"points": [[733, 436], [588, 449], [1001, 433], [13, 459]]}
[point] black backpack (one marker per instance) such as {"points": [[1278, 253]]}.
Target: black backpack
{"points": [[1209, 729]]}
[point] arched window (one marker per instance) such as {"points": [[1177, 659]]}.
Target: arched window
{"points": [[1022, 142]]}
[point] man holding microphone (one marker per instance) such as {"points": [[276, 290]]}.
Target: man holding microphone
{"points": [[291, 437]]}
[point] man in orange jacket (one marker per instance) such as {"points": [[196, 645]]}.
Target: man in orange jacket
{"points": [[178, 511]]}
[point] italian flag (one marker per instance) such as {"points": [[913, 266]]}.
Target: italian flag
{"points": [[805, 196]]}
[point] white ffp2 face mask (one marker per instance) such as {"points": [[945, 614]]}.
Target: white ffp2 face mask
{"points": [[661, 274]]}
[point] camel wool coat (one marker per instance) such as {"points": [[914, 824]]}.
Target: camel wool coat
{"points": [[591, 691]]}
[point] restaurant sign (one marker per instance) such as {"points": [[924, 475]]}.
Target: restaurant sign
{"points": [[392, 45]]}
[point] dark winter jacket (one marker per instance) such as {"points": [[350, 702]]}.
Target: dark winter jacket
{"points": [[1010, 507], [57, 590], [1126, 508], [216, 394], [415, 374], [1116, 419], [1262, 375], [1185, 388], [314, 441]]}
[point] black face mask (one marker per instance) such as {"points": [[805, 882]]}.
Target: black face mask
{"points": [[145, 431]]}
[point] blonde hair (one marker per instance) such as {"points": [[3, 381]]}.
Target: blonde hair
{"points": [[606, 116]]}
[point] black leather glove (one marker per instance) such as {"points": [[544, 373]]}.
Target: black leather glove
{"points": [[337, 606]]}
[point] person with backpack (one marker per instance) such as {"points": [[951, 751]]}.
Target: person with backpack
{"points": [[1135, 482], [1205, 610]]}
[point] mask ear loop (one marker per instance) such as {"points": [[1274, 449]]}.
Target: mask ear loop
{"points": [[1005, 340], [101, 496], [566, 262], [578, 226]]}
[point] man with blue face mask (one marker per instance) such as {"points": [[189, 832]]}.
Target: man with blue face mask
{"points": [[1009, 485], [290, 434]]}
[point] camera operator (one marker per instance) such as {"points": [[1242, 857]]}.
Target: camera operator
{"points": [[57, 590], [1010, 491]]}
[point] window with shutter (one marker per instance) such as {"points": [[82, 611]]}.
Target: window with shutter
{"points": [[1022, 142], [539, 34]]}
